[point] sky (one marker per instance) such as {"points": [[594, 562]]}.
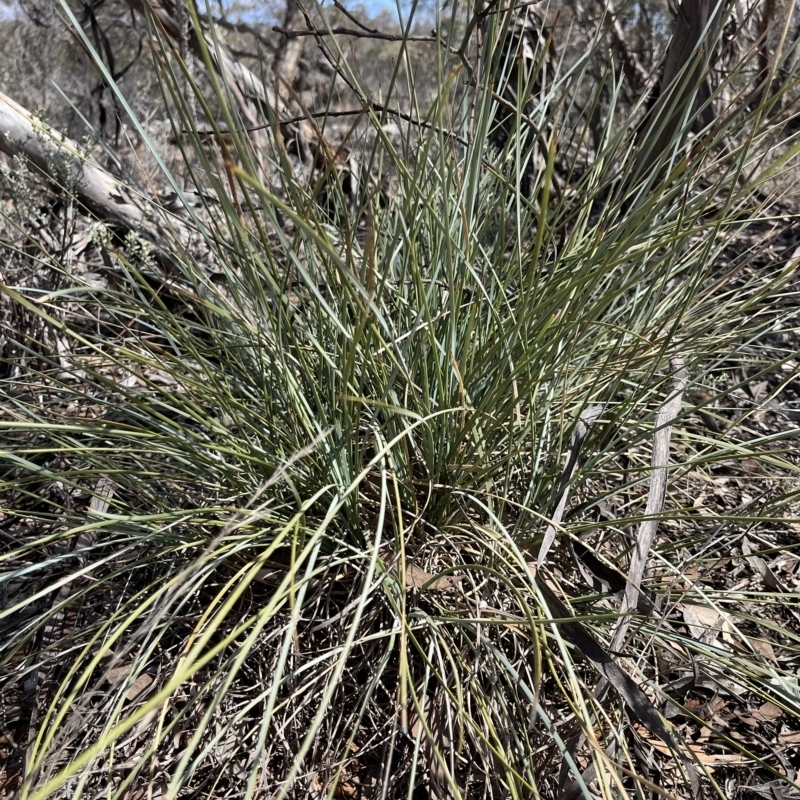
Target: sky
{"points": [[248, 11], [271, 10]]}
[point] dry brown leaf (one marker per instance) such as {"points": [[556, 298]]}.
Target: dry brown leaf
{"points": [[759, 390], [765, 648], [768, 712], [139, 687], [703, 622], [723, 760], [751, 465], [145, 723], [789, 738], [117, 675], [760, 566], [690, 573], [417, 578], [696, 751], [114, 676], [715, 706], [272, 576]]}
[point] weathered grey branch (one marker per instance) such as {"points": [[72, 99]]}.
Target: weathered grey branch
{"points": [[655, 499], [60, 159], [581, 430]]}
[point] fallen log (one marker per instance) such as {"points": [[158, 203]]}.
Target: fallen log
{"points": [[61, 161]]}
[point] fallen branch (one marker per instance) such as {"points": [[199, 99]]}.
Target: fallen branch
{"points": [[613, 675], [655, 499], [579, 434], [62, 162]]}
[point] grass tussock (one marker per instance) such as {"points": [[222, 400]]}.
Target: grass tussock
{"points": [[342, 498]]}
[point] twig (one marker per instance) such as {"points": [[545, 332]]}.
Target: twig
{"points": [[243, 27], [655, 499], [340, 7], [579, 434], [476, 18], [378, 108], [365, 34]]}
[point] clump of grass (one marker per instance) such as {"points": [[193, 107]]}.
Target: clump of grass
{"points": [[276, 533]]}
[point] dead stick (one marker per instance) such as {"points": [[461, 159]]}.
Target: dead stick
{"points": [[655, 499]]}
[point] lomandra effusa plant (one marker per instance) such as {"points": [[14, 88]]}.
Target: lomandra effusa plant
{"points": [[375, 485]]}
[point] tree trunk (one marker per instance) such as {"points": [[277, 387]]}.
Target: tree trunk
{"points": [[291, 48], [634, 69], [168, 14], [684, 81]]}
